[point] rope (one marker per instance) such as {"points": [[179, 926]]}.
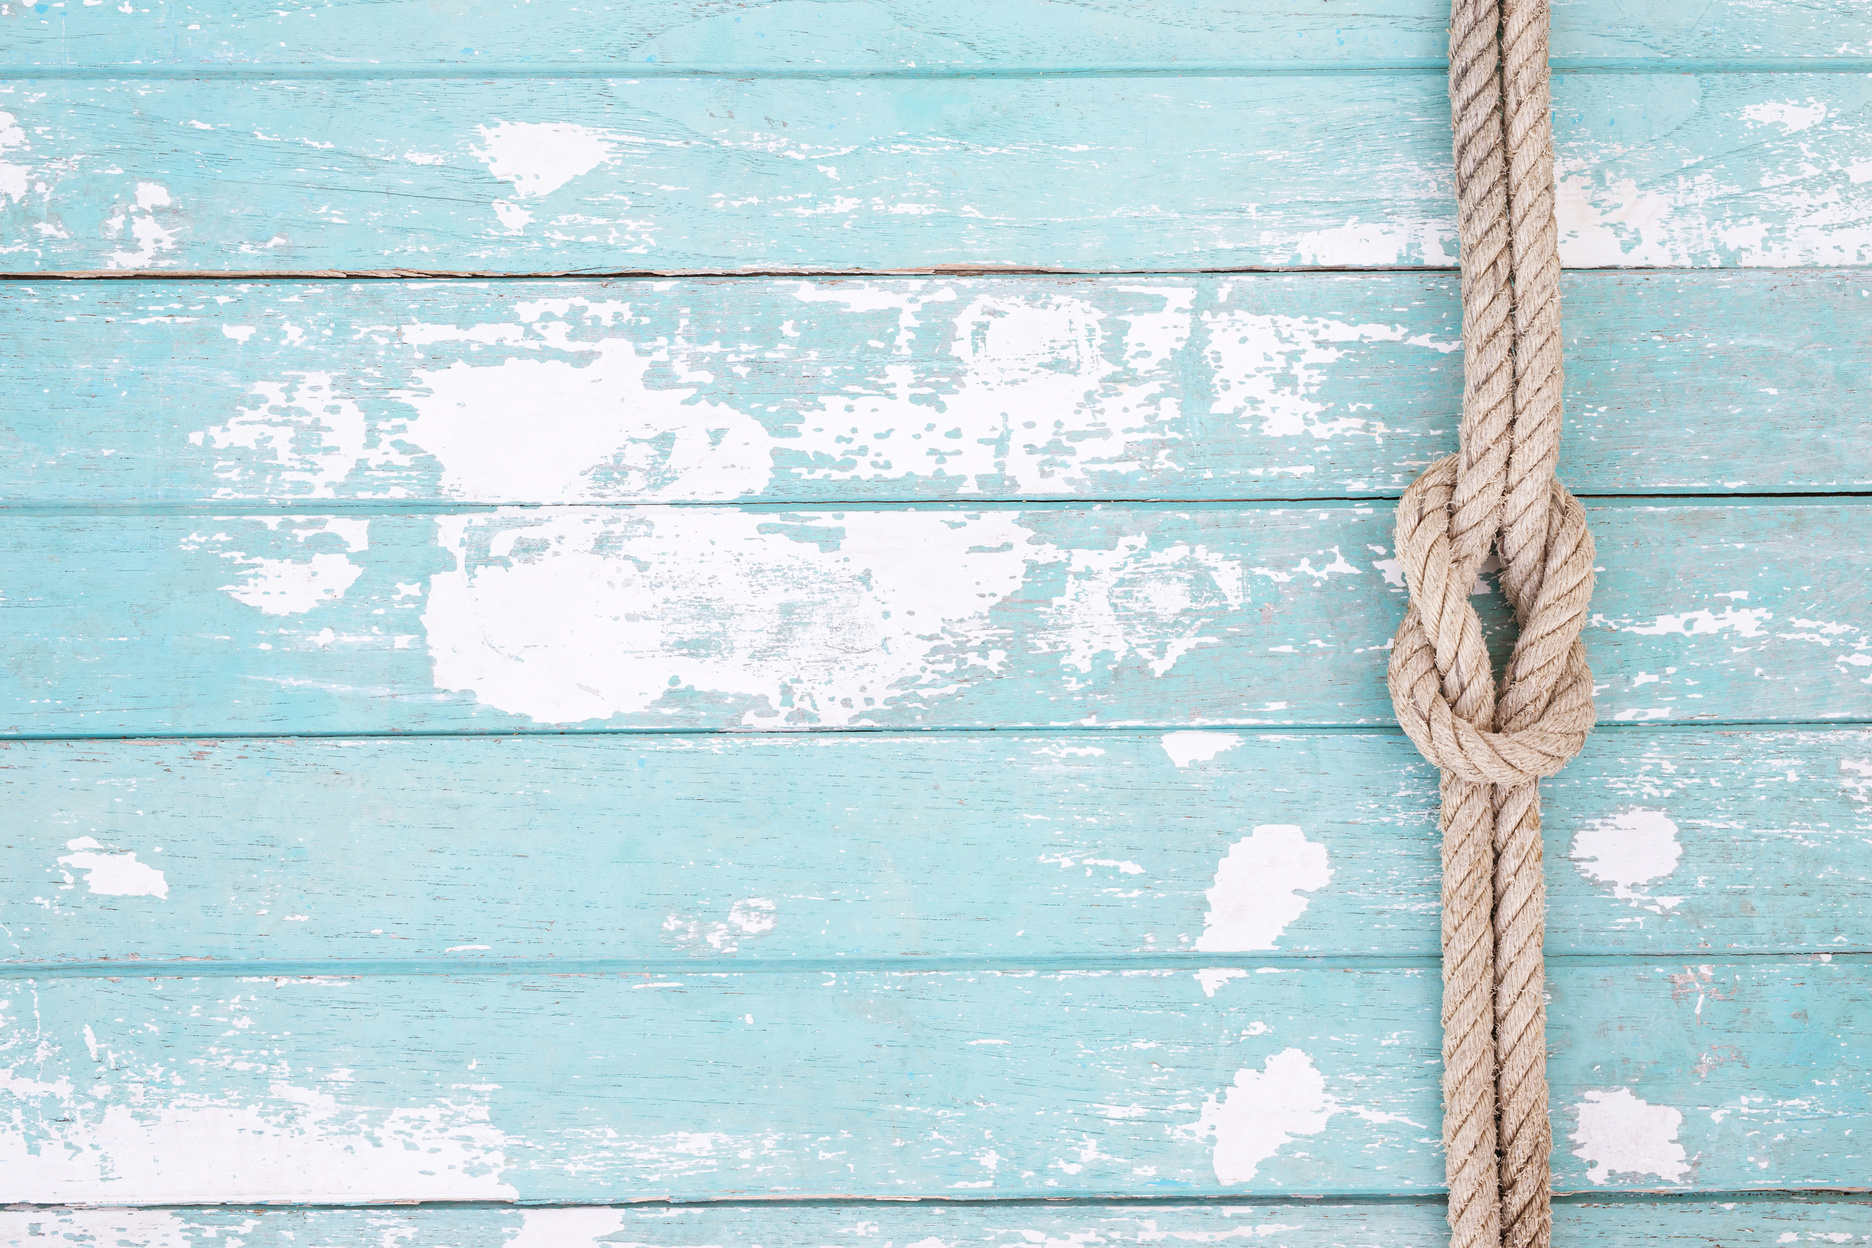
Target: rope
{"points": [[1497, 490]]}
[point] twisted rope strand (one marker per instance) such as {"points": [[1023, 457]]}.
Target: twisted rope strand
{"points": [[1499, 489]]}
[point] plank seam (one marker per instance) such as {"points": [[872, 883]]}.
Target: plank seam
{"points": [[1634, 65], [895, 964]]}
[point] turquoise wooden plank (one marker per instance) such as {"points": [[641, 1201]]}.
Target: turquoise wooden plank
{"points": [[941, 1224], [901, 36], [543, 175], [1208, 387], [722, 617], [1166, 1081], [661, 851]]}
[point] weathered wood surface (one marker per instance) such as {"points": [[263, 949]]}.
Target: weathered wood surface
{"points": [[1681, 1223], [724, 617], [1193, 387], [899, 35], [1023, 850], [1147, 1081], [739, 175]]}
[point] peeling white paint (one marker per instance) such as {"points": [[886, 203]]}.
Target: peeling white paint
{"points": [[296, 584], [302, 438], [752, 916], [540, 157], [1746, 622], [302, 1140], [14, 179], [1263, 1111], [1629, 848], [1268, 369], [1213, 977], [1619, 1133], [1041, 391], [151, 236], [566, 1228], [1133, 600], [1790, 115], [814, 619], [113, 873], [554, 430], [1188, 747], [1257, 889]]}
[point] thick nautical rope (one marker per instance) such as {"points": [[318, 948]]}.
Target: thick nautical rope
{"points": [[1498, 490]]}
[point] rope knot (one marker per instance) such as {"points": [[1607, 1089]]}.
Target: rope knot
{"points": [[1440, 677]]}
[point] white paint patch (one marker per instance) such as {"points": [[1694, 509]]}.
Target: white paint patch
{"points": [[301, 438], [512, 216], [1133, 600], [1791, 116], [1037, 392], [1264, 1111], [555, 430], [14, 179], [1188, 747], [813, 619], [540, 157], [112, 873], [1359, 243], [295, 585], [1622, 1134], [1213, 977], [752, 916], [1268, 370], [152, 238], [1802, 208], [87, 1228], [1258, 886], [155, 1140], [1746, 622], [1630, 848], [566, 1228]]}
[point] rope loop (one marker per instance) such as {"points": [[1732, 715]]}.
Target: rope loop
{"points": [[1439, 674]]}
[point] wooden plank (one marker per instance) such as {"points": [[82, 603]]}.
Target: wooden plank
{"points": [[675, 851], [1711, 1077], [208, 36], [1286, 1224], [722, 617], [1182, 387], [544, 175]]}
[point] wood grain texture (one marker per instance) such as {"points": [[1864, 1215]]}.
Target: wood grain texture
{"points": [[902, 35], [1165, 1081], [737, 175], [1198, 387], [1033, 850], [723, 617], [1680, 1223]]}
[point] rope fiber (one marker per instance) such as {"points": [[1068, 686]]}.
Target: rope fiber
{"points": [[1498, 492]]}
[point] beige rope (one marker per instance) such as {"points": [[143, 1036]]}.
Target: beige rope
{"points": [[1498, 489]]}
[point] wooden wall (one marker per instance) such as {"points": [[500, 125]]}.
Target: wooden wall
{"points": [[700, 623]]}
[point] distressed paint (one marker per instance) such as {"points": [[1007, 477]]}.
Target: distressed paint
{"points": [[898, 1083], [1695, 1223], [537, 175], [685, 851], [881, 35], [726, 617], [1240, 387]]}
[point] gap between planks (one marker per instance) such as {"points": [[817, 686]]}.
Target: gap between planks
{"points": [[1743, 1196], [403, 507], [1161, 69], [896, 964], [1637, 727]]}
